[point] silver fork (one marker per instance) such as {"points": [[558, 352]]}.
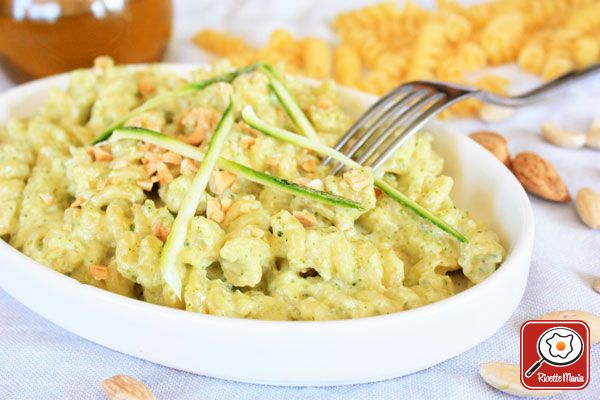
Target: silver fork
{"points": [[399, 114]]}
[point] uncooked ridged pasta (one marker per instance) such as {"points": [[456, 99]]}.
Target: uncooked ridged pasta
{"points": [[347, 65], [402, 42], [317, 58]]}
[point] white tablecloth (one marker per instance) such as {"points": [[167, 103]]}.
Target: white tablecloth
{"points": [[39, 360]]}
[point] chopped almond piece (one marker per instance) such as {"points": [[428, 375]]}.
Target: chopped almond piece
{"points": [[172, 158], [188, 166], [316, 184], [357, 179], [68, 227], [256, 232], [78, 202], [161, 232], [324, 102], [244, 127], [145, 86], [214, 211], [247, 142], [164, 173], [122, 163], [306, 218], [220, 181], [145, 184], [309, 165], [226, 203], [272, 161], [151, 168], [236, 186], [47, 198], [101, 184], [153, 157], [194, 139], [201, 121], [346, 227], [144, 147], [98, 272], [100, 154]]}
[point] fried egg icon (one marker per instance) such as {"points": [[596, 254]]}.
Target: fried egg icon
{"points": [[560, 346]]}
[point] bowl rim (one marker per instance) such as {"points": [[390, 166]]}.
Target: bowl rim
{"points": [[523, 241]]}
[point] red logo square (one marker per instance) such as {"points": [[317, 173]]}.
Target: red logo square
{"points": [[555, 354]]}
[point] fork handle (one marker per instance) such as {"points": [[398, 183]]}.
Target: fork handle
{"points": [[540, 92]]}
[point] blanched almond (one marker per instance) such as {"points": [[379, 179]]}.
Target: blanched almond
{"points": [[560, 137], [539, 177], [592, 320], [491, 113], [593, 136], [494, 143], [587, 204], [306, 218], [123, 387], [506, 378]]}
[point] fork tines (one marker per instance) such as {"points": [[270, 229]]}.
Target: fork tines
{"points": [[388, 123]]}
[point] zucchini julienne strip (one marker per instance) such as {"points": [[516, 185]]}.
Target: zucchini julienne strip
{"points": [[288, 102], [184, 91], [251, 119], [176, 239], [186, 150]]}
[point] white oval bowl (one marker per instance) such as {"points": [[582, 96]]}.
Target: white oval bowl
{"points": [[296, 352]]}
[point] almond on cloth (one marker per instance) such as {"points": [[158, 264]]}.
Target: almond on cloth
{"points": [[592, 320], [587, 204], [494, 143], [123, 387], [540, 178], [505, 377]]}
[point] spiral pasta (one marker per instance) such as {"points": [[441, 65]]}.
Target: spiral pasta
{"points": [[384, 45]]}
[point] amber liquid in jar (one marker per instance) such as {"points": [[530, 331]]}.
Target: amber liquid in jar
{"points": [[45, 37]]}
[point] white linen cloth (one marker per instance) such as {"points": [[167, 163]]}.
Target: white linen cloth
{"points": [[39, 360]]}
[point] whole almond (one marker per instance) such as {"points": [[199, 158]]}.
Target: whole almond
{"points": [[123, 387], [505, 377], [560, 137], [494, 143], [539, 177], [587, 204], [592, 320]]}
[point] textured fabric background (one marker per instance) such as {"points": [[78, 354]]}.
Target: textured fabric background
{"points": [[39, 360]]}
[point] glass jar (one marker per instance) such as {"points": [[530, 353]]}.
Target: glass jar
{"points": [[44, 37]]}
